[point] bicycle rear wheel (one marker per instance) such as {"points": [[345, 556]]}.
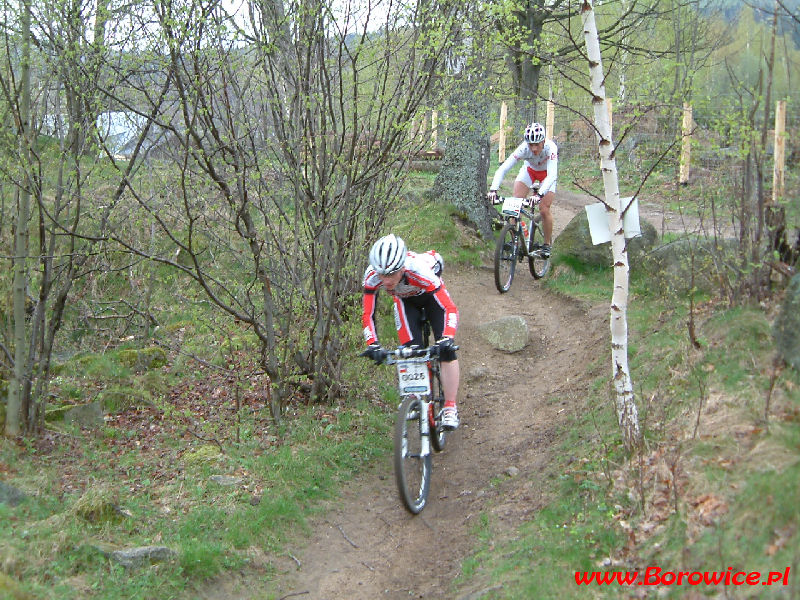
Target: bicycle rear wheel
{"points": [[538, 265], [505, 257], [412, 471]]}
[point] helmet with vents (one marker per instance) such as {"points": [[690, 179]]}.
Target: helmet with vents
{"points": [[534, 133], [388, 254]]}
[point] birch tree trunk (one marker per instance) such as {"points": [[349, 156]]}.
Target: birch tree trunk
{"points": [[627, 413]]}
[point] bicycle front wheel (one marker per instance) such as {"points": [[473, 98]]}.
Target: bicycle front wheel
{"points": [[538, 265], [412, 466], [505, 257]]}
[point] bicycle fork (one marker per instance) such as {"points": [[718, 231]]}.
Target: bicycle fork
{"points": [[424, 429]]}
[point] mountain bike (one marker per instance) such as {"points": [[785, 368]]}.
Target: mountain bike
{"points": [[418, 427], [519, 240]]}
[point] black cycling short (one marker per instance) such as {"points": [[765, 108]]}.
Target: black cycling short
{"points": [[414, 306]]}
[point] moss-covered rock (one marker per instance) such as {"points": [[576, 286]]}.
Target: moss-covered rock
{"points": [[145, 359], [119, 398], [57, 368], [85, 415], [10, 496], [129, 357], [54, 414], [202, 454]]}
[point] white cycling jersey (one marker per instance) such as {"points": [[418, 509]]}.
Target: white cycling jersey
{"points": [[537, 167]]}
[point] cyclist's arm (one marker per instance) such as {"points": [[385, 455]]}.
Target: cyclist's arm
{"points": [[368, 302], [450, 312], [552, 170], [500, 174], [367, 316]]}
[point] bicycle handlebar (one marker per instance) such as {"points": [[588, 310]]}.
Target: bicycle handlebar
{"points": [[529, 201], [391, 356]]}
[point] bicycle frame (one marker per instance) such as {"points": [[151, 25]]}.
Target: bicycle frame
{"points": [[525, 230]]}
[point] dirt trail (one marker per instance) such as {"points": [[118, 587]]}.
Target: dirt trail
{"points": [[511, 406]]}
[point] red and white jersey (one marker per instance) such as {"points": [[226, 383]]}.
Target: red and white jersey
{"points": [[418, 278], [544, 166]]}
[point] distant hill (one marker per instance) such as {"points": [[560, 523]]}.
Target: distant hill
{"points": [[731, 8], [762, 11]]}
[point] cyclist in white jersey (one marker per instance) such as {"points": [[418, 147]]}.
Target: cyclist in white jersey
{"points": [[541, 164]]}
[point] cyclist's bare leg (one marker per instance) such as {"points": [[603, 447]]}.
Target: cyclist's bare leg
{"points": [[450, 377], [521, 190], [547, 217]]}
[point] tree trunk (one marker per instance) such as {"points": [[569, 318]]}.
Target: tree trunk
{"points": [[627, 413], [462, 177], [17, 409]]}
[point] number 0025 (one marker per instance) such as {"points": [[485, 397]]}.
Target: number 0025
{"points": [[413, 377]]}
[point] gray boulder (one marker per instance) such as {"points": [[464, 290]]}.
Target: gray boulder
{"points": [[574, 244], [85, 415], [134, 558], [10, 495], [509, 334], [671, 265], [787, 325]]}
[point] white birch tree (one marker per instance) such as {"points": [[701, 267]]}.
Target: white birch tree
{"points": [[627, 413]]}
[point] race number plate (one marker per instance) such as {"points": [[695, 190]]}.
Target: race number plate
{"points": [[413, 377], [512, 206]]}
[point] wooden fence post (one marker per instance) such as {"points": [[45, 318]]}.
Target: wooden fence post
{"points": [[550, 119], [501, 146], [423, 127], [686, 144], [434, 130], [780, 151]]}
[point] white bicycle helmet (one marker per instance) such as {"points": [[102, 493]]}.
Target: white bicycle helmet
{"points": [[534, 133], [388, 254]]}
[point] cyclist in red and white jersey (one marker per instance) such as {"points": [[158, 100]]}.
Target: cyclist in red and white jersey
{"points": [[414, 282], [541, 164]]}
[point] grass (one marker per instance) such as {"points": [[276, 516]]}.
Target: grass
{"points": [[169, 497]]}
